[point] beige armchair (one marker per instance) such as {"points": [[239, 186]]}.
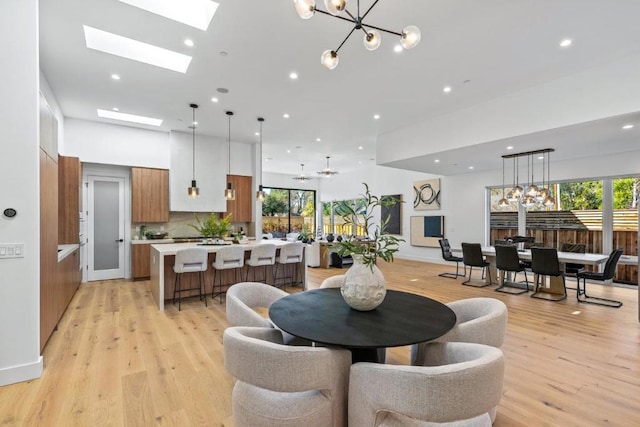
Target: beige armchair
{"points": [[280, 386], [460, 384], [479, 320], [333, 281], [243, 298]]}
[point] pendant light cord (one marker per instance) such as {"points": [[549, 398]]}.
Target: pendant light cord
{"points": [[193, 144], [503, 177]]}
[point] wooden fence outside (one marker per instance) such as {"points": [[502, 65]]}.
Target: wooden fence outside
{"points": [[553, 228]]}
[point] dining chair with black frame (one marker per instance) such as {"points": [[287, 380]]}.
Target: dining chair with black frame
{"points": [[448, 256], [544, 262], [472, 257], [507, 260], [607, 274]]}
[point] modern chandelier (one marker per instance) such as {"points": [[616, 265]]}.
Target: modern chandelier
{"points": [[328, 172], [533, 196], [260, 192], [229, 192], [193, 191], [302, 177], [409, 37]]}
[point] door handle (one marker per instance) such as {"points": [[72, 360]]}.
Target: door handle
{"points": [[120, 240]]}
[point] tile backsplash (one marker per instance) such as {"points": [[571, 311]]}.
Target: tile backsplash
{"points": [[178, 225]]}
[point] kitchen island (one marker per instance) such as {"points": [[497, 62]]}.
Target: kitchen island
{"points": [[162, 258]]}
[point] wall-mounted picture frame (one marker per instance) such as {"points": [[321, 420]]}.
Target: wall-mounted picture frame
{"points": [[427, 230], [394, 213], [426, 195]]}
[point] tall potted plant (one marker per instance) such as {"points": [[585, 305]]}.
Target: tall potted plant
{"points": [[364, 286]]}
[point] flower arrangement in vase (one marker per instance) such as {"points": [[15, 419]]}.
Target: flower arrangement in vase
{"points": [[364, 286]]}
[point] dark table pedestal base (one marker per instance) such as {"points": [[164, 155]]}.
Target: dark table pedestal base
{"points": [[365, 355]]}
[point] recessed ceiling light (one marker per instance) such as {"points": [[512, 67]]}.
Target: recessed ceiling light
{"points": [[626, 127], [188, 42], [194, 123], [470, 167], [447, 89], [359, 162], [195, 13], [214, 99], [115, 109], [114, 44], [318, 139], [257, 134], [540, 157], [566, 43], [397, 48], [286, 115], [360, 147], [510, 147], [376, 116], [436, 161], [293, 75], [288, 151], [106, 114], [115, 76]]}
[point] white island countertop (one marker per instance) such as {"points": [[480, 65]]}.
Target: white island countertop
{"points": [[162, 250]]}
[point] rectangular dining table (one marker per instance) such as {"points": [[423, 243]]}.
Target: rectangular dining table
{"points": [[554, 286]]}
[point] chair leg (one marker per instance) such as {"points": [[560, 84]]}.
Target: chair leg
{"points": [[475, 285], [546, 295], [452, 275], [203, 288], [594, 300], [175, 288], [512, 285]]}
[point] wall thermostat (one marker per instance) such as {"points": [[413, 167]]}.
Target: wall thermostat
{"points": [[10, 212]]}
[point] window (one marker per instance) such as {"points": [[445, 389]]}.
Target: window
{"points": [[288, 211]]}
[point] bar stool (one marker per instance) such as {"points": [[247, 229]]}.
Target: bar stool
{"points": [[227, 258], [190, 260], [290, 253], [261, 256]]}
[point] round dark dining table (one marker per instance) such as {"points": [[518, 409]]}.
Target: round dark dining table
{"points": [[322, 316]]}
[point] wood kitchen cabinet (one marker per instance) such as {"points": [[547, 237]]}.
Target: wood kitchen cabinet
{"points": [[48, 245], [149, 195], [68, 282], [240, 208], [69, 188], [140, 266]]}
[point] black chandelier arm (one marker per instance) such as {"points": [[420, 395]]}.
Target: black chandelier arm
{"points": [[382, 29], [368, 10], [345, 39], [353, 21]]}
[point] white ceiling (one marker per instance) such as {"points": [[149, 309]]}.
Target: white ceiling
{"points": [[496, 46]]}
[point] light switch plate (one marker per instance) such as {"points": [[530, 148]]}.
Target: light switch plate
{"points": [[11, 250]]}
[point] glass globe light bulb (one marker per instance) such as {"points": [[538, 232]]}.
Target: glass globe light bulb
{"points": [[532, 190], [503, 203], [329, 59], [517, 192], [543, 193], [510, 197], [528, 202], [372, 40], [410, 37], [305, 8], [334, 7], [549, 201]]}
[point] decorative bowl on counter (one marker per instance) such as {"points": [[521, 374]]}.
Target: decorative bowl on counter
{"points": [[155, 235]]}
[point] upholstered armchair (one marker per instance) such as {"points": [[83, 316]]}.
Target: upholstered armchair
{"points": [[243, 298], [281, 386], [460, 384], [479, 320], [333, 281]]}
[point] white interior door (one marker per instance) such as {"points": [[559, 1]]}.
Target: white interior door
{"points": [[106, 221]]}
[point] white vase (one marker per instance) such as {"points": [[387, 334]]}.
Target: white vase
{"points": [[364, 287]]}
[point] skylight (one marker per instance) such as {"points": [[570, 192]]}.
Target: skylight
{"points": [[136, 50], [195, 13], [106, 114]]}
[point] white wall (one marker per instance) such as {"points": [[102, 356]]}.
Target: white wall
{"points": [[103, 143], [46, 91], [20, 358]]}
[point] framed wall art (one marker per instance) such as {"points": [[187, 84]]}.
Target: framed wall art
{"points": [[426, 195], [427, 230], [394, 213]]}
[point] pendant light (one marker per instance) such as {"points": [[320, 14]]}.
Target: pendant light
{"points": [[527, 200], [543, 192], [193, 191], [328, 172], [302, 177], [260, 193], [229, 193], [549, 201], [503, 203], [532, 189], [516, 191]]}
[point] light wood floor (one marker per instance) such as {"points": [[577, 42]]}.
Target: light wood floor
{"points": [[116, 360]]}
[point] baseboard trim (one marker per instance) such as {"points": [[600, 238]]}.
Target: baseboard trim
{"points": [[17, 374]]}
